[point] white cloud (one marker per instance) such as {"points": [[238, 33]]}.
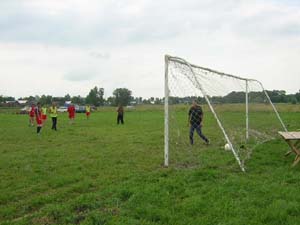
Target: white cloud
{"points": [[80, 75], [99, 55], [116, 43]]}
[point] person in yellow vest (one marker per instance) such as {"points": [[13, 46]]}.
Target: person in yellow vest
{"points": [[53, 115], [44, 113], [88, 111]]}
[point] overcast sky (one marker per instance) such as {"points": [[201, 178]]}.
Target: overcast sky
{"points": [[57, 47]]}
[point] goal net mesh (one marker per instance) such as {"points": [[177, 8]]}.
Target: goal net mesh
{"points": [[227, 97]]}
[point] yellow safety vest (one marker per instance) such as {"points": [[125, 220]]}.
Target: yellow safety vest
{"points": [[53, 111], [44, 111]]}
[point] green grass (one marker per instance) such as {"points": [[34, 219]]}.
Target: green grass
{"points": [[95, 172]]}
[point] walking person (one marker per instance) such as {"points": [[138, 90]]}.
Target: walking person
{"points": [[71, 111], [120, 117], [87, 111], [38, 117], [44, 114], [53, 115], [195, 117], [31, 115]]}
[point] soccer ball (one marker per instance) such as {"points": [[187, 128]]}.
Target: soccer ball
{"points": [[227, 147]]}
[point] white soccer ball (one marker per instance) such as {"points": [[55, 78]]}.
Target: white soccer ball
{"points": [[227, 147]]}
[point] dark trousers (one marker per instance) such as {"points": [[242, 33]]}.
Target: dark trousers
{"points": [[120, 118], [199, 132], [54, 121], [38, 129]]}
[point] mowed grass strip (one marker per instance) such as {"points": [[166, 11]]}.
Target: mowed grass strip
{"points": [[98, 172]]}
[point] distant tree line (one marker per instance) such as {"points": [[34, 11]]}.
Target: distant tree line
{"points": [[124, 97], [276, 96], [95, 97]]}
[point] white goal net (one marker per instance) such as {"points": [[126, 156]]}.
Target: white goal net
{"points": [[207, 107]]}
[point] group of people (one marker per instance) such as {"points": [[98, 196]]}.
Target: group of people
{"points": [[39, 113], [195, 117]]}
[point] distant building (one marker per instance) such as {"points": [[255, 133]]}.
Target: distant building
{"points": [[11, 103], [132, 103], [22, 102], [67, 103]]}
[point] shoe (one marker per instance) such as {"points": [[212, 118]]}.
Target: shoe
{"points": [[207, 142]]}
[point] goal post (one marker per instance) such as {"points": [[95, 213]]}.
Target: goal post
{"points": [[181, 77], [166, 153]]}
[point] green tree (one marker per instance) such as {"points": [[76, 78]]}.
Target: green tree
{"points": [[157, 101], [30, 99], [297, 96], [122, 96], [95, 96], [110, 100], [9, 98], [294, 100], [67, 97], [59, 100], [45, 99], [78, 100], [277, 96]]}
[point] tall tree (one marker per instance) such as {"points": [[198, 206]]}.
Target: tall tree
{"points": [[122, 96], [78, 100], [95, 96], [297, 95], [59, 100], [46, 99], [67, 97], [30, 99], [110, 101]]}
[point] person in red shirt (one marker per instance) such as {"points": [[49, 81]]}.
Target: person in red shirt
{"points": [[31, 115], [71, 111], [38, 117]]}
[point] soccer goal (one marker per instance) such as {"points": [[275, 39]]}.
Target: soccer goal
{"points": [[237, 113]]}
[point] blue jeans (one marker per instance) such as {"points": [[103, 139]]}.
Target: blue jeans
{"points": [[199, 132]]}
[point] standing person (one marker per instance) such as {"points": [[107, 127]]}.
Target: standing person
{"points": [[38, 117], [88, 111], [120, 116], [31, 115], [44, 114], [53, 115], [71, 111], [194, 121]]}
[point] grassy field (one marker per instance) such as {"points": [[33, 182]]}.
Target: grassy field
{"points": [[96, 172]]}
